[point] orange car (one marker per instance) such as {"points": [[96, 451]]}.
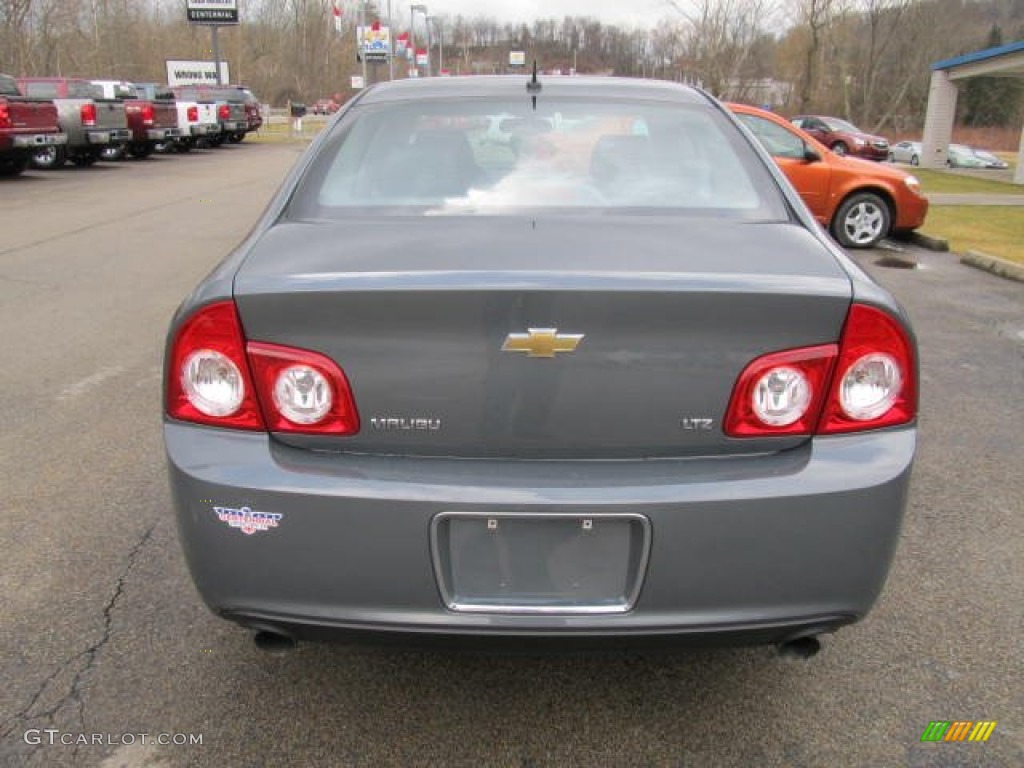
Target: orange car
{"points": [[859, 201]]}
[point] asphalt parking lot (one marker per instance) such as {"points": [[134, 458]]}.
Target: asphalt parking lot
{"points": [[104, 636]]}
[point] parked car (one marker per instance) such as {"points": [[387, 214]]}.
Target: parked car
{"points": [[197, 120], [842, 137], [26, 124], [988, 159], [859, 202], [963, 156], [905, 152], [90, 121], [612, 383], [152, 117], [324, 107]]}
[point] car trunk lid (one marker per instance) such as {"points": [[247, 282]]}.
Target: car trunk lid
{"points": [[600, 337]]}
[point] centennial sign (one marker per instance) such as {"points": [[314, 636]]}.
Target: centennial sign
{"points": [[212, 11]]}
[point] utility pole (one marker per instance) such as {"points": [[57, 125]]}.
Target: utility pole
{"points": [[391, 44]]}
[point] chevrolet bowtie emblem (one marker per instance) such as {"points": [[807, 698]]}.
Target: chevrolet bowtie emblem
{"points": [[541, 342]]}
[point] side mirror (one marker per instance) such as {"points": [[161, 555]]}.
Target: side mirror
{"points": [[811, 155]]}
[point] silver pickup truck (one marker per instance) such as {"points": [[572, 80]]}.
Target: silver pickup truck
{"points": [[89, 121]]}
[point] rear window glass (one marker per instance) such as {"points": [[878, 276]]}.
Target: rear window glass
{"points": [[473, 156]]}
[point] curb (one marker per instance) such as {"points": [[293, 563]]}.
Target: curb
{"points": [[929, 242], [997, 266]]}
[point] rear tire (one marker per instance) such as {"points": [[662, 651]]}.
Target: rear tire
{"points": [[140, 151], [236, 137], [13, 166], [914, 160], [840, 148], [184, 145], [861, 221], [86, 159], [48, 158], [112, 153]]}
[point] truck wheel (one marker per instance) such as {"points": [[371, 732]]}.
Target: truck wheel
{"points": [[140, 151], [216, 141], [48, 158], [86, 159], [13, 166], [184, 145], [112, 153], [862, 220], [236, 137]]}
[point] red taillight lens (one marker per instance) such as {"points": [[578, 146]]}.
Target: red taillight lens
{"points": [[288, 389], [208, 378], [781, 393], [147, 114], [875, 382], [866, 382], [88, 113], [5, 116], [302, 391], [192, 113], [223, 112]]}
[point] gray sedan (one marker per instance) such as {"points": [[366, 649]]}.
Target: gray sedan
{"points": [[605, 381], [905, 152]]}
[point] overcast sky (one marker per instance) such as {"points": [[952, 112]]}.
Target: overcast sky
{"points": [[621, 12]]}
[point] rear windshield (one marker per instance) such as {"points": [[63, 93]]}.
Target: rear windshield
{"points": [[473, 156]]}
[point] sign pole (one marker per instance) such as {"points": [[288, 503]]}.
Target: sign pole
{"points": [[215, 45]]}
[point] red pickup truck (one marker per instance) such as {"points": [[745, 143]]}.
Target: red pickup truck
{"points": [[25, 125], [152, 117]]}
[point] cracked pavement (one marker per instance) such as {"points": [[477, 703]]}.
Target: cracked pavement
{"points": [[103, 633]]}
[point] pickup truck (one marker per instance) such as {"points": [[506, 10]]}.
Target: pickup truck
{"points": [[197, 120], [90, 121], [152, 117], [230, 108], [26, 124]]}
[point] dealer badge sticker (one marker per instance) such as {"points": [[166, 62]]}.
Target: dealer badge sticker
{"points": [[247, 521]]}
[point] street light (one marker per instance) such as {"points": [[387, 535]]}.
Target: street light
{"points": [[440, 41], [412, 35]]}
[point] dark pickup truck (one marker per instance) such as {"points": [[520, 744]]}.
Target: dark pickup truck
{"points": [[152, 116], [90, 121], [26, 124]]}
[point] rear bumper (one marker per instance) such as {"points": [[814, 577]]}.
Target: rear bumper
{"points": [[162, 134], [108, 136], [751, 549], [205, 129], [32, 140], [232, 125]]}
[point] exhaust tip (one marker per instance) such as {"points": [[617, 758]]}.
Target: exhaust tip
{"points": [[273, 642], [800, 647]]}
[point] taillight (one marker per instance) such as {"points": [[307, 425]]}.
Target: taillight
{"points": [[88, 113], [781, 393], [216, 378], [5, 116], [147, 114], [302, 391], [192, 113], [875, 380], [223, 112], [208, 378], [867, 381]]}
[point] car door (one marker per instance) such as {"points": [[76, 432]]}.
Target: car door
{"points": [[811, 179]]}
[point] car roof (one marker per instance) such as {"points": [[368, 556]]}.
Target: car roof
{"points": [[514, 86]]}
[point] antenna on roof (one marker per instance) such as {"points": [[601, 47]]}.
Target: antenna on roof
{"points": [[533, 85]]}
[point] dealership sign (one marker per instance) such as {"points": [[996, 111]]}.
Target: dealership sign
{"points": [[196, 73], [212, 11]]}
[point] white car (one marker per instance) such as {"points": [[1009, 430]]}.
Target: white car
{"points": [[905, 152]]}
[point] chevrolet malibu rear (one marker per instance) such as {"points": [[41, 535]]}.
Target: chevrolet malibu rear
{"points": [[563, 361]]}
